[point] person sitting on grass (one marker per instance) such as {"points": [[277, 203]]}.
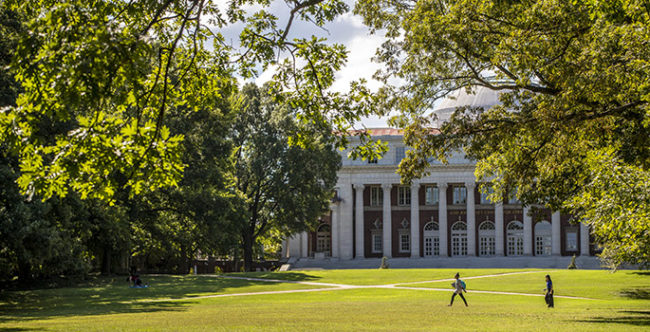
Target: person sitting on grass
{"points": [[137, 282], [460, 288]]}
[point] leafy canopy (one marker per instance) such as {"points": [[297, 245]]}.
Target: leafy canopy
{"points": [[98, 79]]}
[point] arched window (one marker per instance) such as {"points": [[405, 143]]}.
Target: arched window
{"points": [[543, 238], [515, 231], [486, 235], [404, 236], [431, 237], [376, 237], [459, 239], [323, 238]]}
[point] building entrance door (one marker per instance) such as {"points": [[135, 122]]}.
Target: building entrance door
{"points": [[431, 236], [459, 239]]}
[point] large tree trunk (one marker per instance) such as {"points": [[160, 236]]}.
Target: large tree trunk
{"points": [[248, 250], [106, 260], [24, 271], [184, 266]]}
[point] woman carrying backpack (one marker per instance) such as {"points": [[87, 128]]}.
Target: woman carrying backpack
{"points": [[460, 288]]}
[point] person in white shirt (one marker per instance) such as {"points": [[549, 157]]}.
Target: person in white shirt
{"points": [[459, 290]]}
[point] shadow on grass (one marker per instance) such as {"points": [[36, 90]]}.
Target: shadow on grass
{"points": [[288, 276], [636, 293], [642, 273], [637, 318], [114, 296]]}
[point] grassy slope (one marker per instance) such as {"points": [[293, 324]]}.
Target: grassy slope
{"points": [[356, 309]]}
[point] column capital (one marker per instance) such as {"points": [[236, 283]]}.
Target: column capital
{"points": [[470, 185], [358, 186], [442, 185], [387, 186], [415, 185]]}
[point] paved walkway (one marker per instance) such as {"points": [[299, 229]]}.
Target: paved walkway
{"points": [[335, 287]]}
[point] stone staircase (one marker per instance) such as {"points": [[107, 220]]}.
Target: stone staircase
{"points": [[553, 262]]}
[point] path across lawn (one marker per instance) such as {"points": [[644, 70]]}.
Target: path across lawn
{"points": [[333, 287]]}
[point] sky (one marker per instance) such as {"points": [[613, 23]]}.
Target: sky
{"points": [[347, 29]]}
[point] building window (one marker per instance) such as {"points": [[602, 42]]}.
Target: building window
{"points": [[376, 196], [403, 195], [459, 239], [400, 153], [460, 195], [431, 239], [487, 243], [484, 195], [513, 199], [376, 243], [323, 238], [571, 240], [515, 231], [431, 195], [543, 238], [404, 242]]}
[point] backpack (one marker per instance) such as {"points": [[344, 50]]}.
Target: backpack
{"points": [[462, 284]]}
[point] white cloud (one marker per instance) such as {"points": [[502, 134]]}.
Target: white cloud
{"points": [[352, 20], [361, 49]]}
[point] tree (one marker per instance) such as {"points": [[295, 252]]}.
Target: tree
{"points": [[573, 77], [99, 78], [284, 187], [172, 225]]}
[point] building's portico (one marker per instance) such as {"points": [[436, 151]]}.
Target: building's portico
{"points": [[440, 215]]}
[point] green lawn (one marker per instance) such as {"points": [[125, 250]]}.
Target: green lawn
{"points": [[376, 277], [622, 302]]}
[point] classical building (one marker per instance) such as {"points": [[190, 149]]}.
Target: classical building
{"points": [[440, 215]]}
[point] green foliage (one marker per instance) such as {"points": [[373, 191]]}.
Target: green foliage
{"points": [[284, 188], [384, 263], [97, 81], [173, 225], [573, 77], [616, 204]]}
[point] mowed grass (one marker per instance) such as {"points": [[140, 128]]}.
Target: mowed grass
{"points": [[375, 277], [595, 284], [621, 302]]}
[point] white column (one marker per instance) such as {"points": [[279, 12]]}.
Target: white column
{"points": [[415, 220], [584, 239], [556, 233], [304, 245], [442, 218], [294, 246], [471, 219], [498, 228], [335, 229], [345, 222], [386, 222], [359, 229], [528, 232]]}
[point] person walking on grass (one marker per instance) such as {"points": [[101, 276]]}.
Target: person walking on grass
{"points": [[549, 292], [460, 288]]}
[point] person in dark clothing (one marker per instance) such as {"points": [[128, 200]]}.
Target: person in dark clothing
{"points": [[460, 288], [549, 292]]}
